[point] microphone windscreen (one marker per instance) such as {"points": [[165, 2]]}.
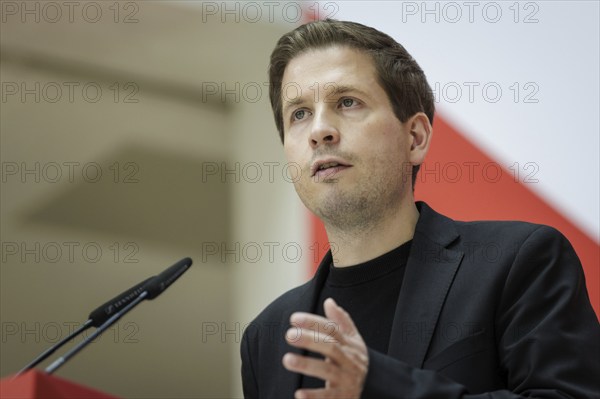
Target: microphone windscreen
{"points": [[159, 283]]}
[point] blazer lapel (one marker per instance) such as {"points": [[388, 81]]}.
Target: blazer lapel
{"points": [[287, 381], [428, 276]]}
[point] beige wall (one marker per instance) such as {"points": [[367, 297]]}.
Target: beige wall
{"points": [[154, 202]]}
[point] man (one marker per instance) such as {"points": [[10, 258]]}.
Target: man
{"points": [[406, 307]]}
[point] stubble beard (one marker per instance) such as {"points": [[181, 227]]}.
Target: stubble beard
{"points": [[355, 210]]}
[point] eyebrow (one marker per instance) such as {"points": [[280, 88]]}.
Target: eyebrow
{"points": [[337, 90], [342, 89], [291, 103]]}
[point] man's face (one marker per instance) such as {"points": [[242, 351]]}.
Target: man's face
{"points": [[340, 129]]}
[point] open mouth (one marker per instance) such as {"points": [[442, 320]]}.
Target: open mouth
{"points": [[327, 168]]}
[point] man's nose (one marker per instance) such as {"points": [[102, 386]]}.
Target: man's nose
{"points": [[324, 129]]}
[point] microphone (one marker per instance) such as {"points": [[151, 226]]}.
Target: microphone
{"points": [[151, 288], [95, 319]]}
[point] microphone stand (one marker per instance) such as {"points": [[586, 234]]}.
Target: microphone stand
{"points": [[54, 348], [61, 360]]}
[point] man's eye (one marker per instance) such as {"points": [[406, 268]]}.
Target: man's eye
{"points": [[348, 102], [299, 114]]}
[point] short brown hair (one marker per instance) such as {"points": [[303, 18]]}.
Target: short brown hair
{"points": [[398, 73]]}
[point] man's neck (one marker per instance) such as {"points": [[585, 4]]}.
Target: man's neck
{"points": [[354, 247]]}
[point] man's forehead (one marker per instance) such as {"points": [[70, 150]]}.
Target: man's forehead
{"points": [[334, 68]]}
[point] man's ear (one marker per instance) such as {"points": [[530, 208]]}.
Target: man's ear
{"points": [[420, 137]]}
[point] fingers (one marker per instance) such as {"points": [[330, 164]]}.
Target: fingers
{"points": [[310, 366], [338, 340], [336, 324], [340, 381], [328, 329], [338, 315], [317, 342]]}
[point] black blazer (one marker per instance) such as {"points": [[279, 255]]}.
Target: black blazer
{"points": [[486, 310]]}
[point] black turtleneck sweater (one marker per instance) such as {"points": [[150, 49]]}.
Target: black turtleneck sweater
{"points": [[369, 293]]}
